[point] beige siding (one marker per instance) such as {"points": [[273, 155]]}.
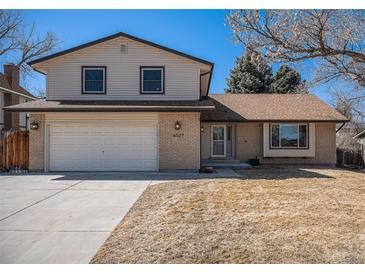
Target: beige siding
{"points": [[204, 84], [182, 76], [22, 116], [179, 149]]}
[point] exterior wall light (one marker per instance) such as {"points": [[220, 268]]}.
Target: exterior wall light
{"points": [[177, 125], [34, 125], [201, 129]]}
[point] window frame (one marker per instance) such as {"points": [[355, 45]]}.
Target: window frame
{"points": [[83, 69], [141, 69], [289, 124]]}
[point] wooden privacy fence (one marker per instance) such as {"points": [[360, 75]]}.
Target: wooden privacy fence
{"points": [[14, 150], [349, 158]]}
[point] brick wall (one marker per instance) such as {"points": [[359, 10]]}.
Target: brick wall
{"points": [[36, 144], [250, 144], [179, 149], [249, 141]]}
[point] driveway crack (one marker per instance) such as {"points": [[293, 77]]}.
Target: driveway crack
{"points": [[46, 198]]}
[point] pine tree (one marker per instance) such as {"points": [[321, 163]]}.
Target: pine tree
{"points": [[286, 80], [251, 74]]}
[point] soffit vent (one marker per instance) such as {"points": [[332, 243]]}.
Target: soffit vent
{"points": [[124, 48]]}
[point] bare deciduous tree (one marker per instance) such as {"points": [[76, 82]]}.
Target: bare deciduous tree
{"points": [[19, 44], [9, 24], [336, 37], [351, 105]]}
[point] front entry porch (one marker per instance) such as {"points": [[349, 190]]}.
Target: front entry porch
{"points": [[218, 142], [225, 164]]}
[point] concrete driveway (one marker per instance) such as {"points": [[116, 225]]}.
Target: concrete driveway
{"points": [[63, 218]]}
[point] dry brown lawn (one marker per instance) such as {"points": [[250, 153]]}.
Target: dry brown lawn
{"points": [[270, 215]]}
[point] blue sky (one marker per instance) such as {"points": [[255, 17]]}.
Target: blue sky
{"points": [[201, 33]]}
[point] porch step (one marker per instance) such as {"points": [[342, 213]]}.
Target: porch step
{"points": [[223, 165], [221, 161]]}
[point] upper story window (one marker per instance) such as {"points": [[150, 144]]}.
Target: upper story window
{"points": [[152, 80], [289, 135], [93, 80]]}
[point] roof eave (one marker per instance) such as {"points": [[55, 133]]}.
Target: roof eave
{"points": [[18, 93], [273, 121], [112, 109]]}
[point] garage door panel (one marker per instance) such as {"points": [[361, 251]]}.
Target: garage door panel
{"points": [[128, 165], [103, 148]]}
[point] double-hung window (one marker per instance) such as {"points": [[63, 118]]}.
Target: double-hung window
{"points": [[289, 136], [94, 80], [152, 80]]}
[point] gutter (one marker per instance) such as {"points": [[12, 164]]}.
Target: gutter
{"points": [[17, 93], [359, 134], [337, 130], [112, 109]]}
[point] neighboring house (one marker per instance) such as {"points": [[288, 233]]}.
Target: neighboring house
{"points": [[125, 104], [11, 93], [360, 137]]}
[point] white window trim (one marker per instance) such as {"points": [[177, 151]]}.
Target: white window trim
{"points": [[162, 91], [289, 124], [84, 91], [225, 141]]}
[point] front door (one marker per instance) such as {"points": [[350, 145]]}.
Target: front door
{"points": [[219, 136]]}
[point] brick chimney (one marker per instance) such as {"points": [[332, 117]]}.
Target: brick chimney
{"points": [[12, 73], [11, 119]]}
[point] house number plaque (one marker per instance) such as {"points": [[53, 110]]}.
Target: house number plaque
{"points": [[178, 135]]}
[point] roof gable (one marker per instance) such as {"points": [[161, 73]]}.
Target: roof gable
{"points": [[116, 35]]}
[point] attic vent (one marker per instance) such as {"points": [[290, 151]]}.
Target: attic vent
{"points": [[123, 48]]}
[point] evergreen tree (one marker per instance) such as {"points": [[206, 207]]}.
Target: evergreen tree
{"points": [[251, 74], [286, 80]]}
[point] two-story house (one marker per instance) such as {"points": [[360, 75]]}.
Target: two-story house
{"points": [[121, 103]]}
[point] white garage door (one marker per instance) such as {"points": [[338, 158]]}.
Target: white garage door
{"points": [[103, 148]]}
